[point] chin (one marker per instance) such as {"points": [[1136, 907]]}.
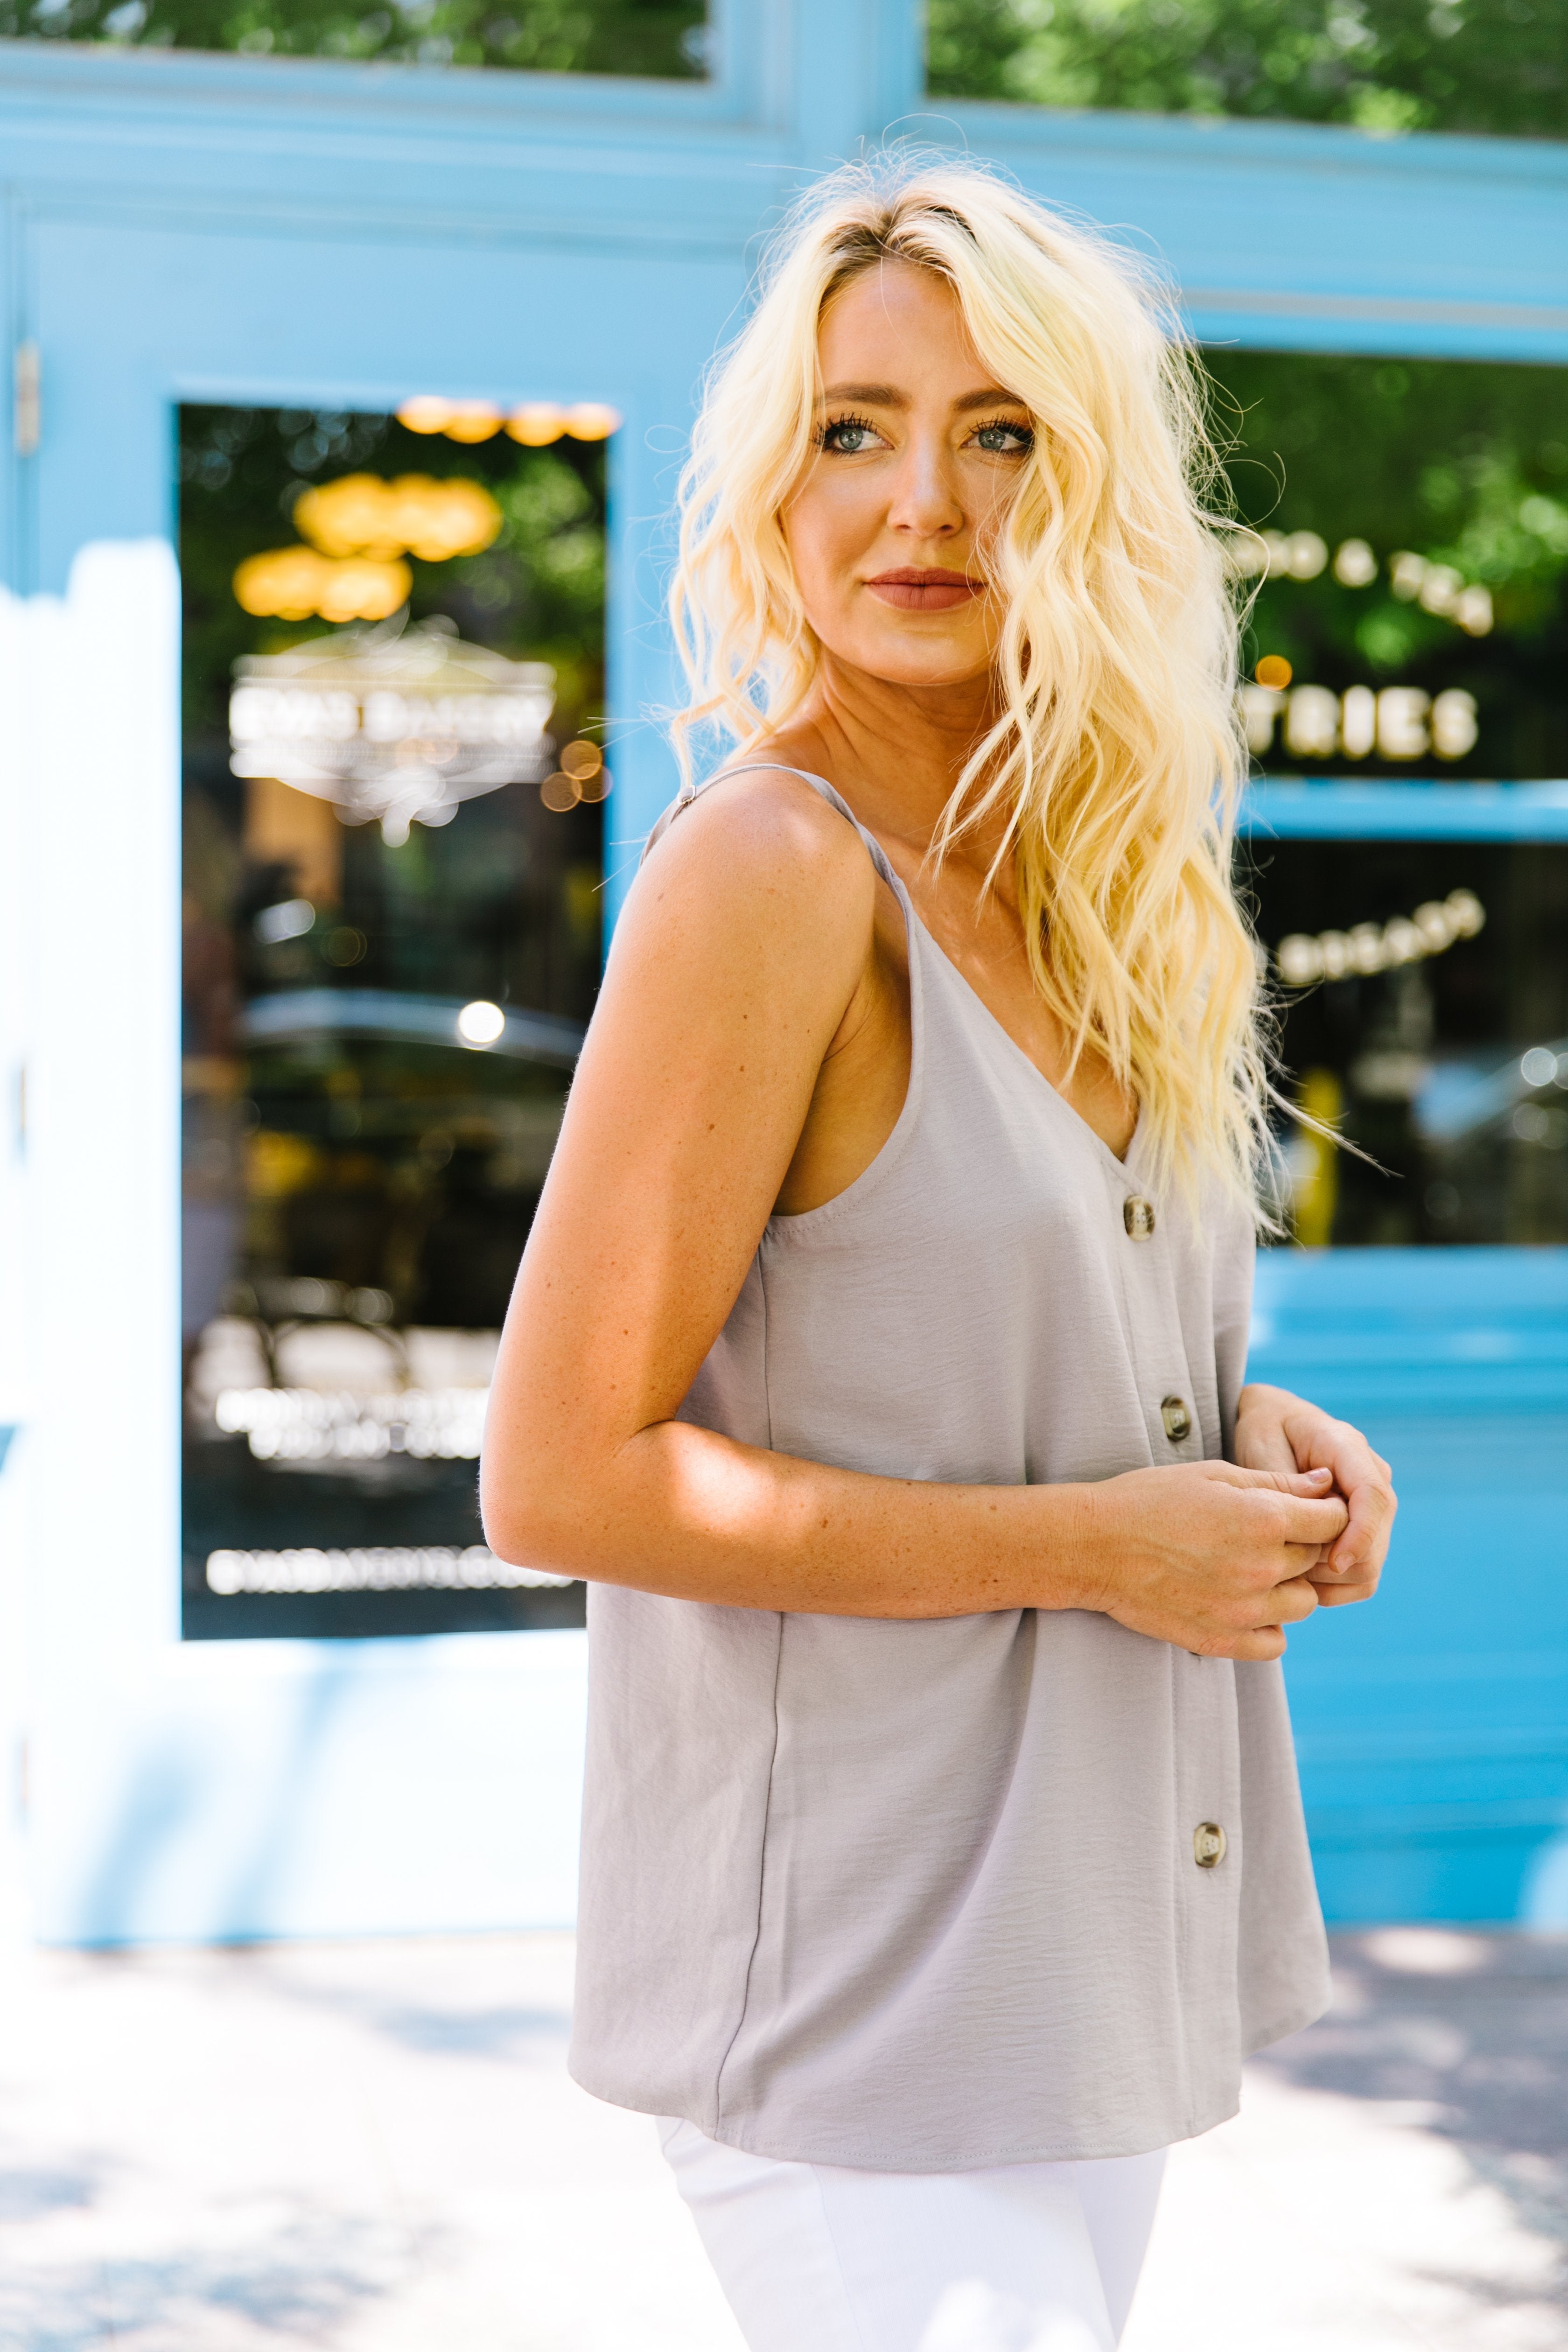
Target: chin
{"points": [[907, 662]]}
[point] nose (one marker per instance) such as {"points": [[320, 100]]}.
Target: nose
{"points": [[925, 502]]}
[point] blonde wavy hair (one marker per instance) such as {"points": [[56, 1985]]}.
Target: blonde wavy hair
{"points": [[1116, 758]]}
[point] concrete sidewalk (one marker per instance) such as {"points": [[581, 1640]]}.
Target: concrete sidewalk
{"points": [[374, 2148]]}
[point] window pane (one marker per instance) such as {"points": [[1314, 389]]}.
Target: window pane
{"points": [[390, 910], [662, 37], [1413, 550], [1450, 1070], [1383, 65], [1410, 622]]}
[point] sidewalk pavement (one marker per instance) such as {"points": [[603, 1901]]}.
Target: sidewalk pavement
{"points": [[374, 2148]]}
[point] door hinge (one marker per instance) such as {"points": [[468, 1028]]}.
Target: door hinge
{"points": [[28, 399]]}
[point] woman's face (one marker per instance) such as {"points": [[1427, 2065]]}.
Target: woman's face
{"points": [[919, 453]]}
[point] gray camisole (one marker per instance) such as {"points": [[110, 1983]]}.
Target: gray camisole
{"points": [[939, 1895]]}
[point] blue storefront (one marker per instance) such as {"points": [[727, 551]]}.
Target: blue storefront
{"points": [[194, 241]]}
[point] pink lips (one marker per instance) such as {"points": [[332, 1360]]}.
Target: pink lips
{"points": [[931, 590]]}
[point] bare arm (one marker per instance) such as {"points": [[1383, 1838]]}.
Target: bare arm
{"points": [[741, 964]]}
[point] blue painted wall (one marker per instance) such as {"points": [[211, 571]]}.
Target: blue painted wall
{"points": [[187, 227], [1433, 1727]]}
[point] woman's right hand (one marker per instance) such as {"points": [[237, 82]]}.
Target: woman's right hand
{"points": [[1210, 1557]]}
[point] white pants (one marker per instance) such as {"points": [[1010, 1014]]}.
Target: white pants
{"points": [[821, 2258]]}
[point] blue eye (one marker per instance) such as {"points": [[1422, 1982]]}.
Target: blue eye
{"points": [[1004, 440], [848, 436]]}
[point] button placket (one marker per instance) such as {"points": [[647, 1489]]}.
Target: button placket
{"points": [[1145, 1284], [1209, 1844], [1176, 1419], [1138, 1217]]}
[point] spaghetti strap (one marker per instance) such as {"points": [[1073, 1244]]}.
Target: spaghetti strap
{"points": [[819, 784]]}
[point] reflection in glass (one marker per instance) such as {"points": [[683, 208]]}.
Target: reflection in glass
{"points": [[1406, 557], [1406, 550], [1382, 66], [1423, 995], [667, 39], [386, 977]]}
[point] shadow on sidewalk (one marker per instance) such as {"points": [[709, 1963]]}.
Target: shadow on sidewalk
{"points": [[1464, 2035]]}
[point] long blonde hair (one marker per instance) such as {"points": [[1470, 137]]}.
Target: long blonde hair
{"points": [[1117, 760]]}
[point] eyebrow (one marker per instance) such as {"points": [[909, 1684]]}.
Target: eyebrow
{"points": [[888, 395]]}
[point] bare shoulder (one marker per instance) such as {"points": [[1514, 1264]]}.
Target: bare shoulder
{"points": [[744, 941], [766, 829], [762, 862]]}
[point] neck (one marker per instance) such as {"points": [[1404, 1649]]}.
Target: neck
{"points": [[894, 751]]}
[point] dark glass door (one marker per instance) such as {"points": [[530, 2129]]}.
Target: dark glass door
{"points": [[393, 786]]}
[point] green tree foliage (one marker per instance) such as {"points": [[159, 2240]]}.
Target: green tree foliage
{"points": [[621, 36], [1497, 66]]}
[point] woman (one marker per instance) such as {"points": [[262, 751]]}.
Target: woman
{"points": [[877, 1350]]}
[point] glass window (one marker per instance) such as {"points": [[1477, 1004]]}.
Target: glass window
{"points": [[1409, 622], [1409, 563], [393, 788], [1424, 992], [1461, 65], [667, 39]]}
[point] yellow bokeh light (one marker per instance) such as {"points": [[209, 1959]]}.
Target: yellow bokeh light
{"points": [[592, 421], [536, 423], [427, 413], [283, 585], [560, 791], [360, 589], [347, 517], [362, 515], [582, 758], [472, 420], [437, 520], [294, 584]]}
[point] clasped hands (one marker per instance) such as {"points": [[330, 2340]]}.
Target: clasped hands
{"points": [[1218, 1558], [1276, 1431]]}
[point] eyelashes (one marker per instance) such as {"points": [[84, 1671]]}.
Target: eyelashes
{"points": [[826, 438], [1022, 434], [851, 426]]}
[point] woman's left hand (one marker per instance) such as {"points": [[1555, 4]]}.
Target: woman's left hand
{"points": [[1277, 1431]]}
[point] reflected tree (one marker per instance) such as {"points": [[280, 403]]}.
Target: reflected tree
{"points": [[1499, 66], [661, 38], [1458, 463]]}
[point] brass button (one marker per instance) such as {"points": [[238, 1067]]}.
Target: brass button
{"points": [[1208, 1844], [1138, 1216], [1178, 1421]]}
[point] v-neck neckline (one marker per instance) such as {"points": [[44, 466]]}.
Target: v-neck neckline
{"points": [[918, 923], [1122, 1164]]}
